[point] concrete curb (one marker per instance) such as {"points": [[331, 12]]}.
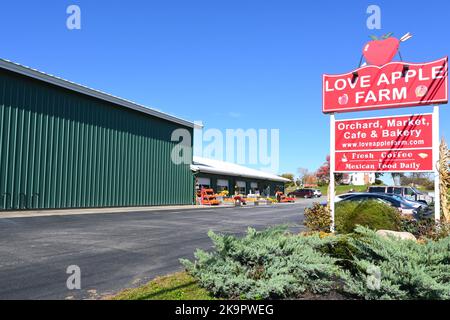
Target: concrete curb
{"points": [[150, 209], [64, 212]]}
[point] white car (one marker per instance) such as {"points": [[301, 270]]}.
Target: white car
{"points": [[317, 193]]}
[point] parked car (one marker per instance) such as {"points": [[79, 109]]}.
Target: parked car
{"points": [[403, 206], [409, 193], [344, 196], [317, 193], [415, 204], [302, 193]]}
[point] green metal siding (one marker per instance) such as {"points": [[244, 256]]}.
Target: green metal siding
{"points": [[61, 149]]}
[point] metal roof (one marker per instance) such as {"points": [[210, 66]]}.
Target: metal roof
{"points": [[231, 169], [33, 73]]}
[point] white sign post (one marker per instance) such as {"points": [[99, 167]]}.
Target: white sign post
{"points": [[332, 166], [437, 198]]}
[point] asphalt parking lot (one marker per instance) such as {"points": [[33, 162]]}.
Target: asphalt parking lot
{"points": [[116, 250]]}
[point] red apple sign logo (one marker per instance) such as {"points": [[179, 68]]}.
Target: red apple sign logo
{"points": [[379, 52]]}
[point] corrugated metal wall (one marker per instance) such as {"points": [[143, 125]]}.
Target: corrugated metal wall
{"points": [[60, 149]]}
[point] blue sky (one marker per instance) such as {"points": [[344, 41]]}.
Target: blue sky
{"points": [[231, 63]]}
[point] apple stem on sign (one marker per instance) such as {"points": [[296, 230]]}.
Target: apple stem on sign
{"points": [[406, 37]]}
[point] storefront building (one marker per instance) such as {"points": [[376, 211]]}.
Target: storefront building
{"points": [[237, 179]]}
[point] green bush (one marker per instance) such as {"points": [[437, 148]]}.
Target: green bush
{"points": [[372, 214], [270, 264], [317, 218], [426, 228], [407, 269], [363, 265]]}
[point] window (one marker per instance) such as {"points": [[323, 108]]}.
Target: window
{"points": [[222, 185], [240, 187], [253, 187], [416, 191], [409, 192], [203, 183], [378, 190]]}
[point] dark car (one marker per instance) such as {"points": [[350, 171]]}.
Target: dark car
{"points": [[403, 206], [302, 193]]}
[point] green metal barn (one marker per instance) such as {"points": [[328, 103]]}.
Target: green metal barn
{"points": [[63, 145]]}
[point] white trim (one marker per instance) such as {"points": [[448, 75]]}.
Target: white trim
{"points": [[437, 195], [231, 169], [371, 171], [332, 169], [390, 149], [383, 117], [389, 106], [35, 74]]}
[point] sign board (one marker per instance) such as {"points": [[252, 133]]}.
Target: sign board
{"points": [[393, 85], [387, 144], [384, 144], [418, 160]]}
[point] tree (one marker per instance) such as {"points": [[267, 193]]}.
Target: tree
{"points": [[397, 177], [289, 176], [418, 179], [310, 179], [444, 174], [323, 173], [302, 173]]}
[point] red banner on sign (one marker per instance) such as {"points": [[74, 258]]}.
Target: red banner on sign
{"points": [[385, 161], [394, 85], [385, 144], [385, 133]]}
